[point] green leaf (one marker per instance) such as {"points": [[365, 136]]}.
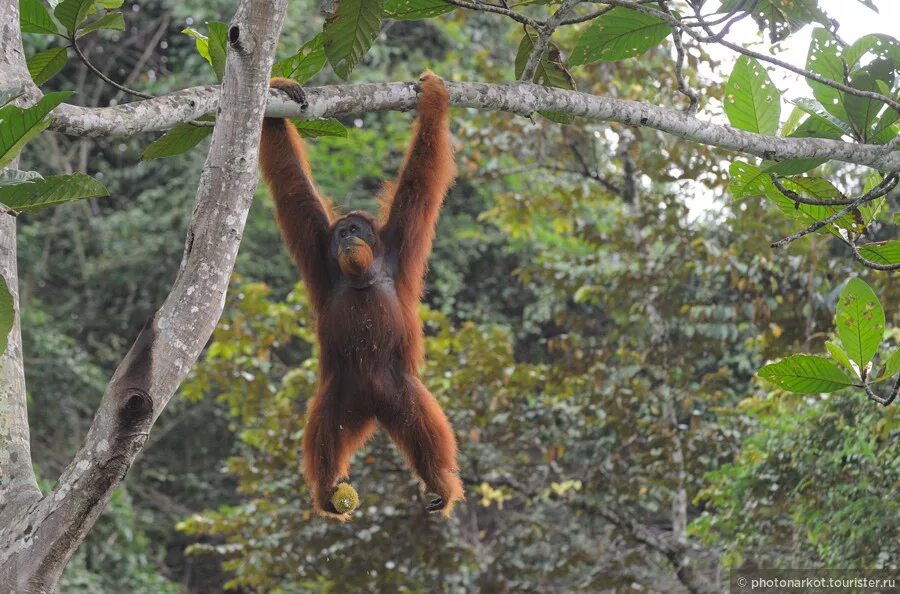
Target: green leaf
{"points": [[745, 180], [9, 177], [813, 107], [34, 18], [19, 125], [839, 355], [619, 34], [882, 252], [114, 21], [218, 47], [349, 33], [751, 101], [859, 320], [890, 368], [408, 10], [823, 59], [110, 4], [324, 127], [71, 13], [550, 72], [878, 44], [780, 17], [806, 374], [202, 42], [176, 141], [862, 111], [47, 64], [306, 63], [51, 191], [7, 314]]}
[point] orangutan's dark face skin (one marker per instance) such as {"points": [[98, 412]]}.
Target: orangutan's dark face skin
{"points": [[353, 245]]}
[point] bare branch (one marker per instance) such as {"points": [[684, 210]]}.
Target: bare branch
{"points": [[485, 7], [521, 98]]}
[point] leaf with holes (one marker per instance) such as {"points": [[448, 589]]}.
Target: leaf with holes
{"points": [[409, 10], [19, 125], [45, 65], [806, 374], [10, 177], [751, 101], [51, 191], [306, 63], [859, 320], [7, 314], [317, 128], [177, 141], [349, 33], [823, 59], [71, 13], [619, 34], [113, 21], [780, 17], [34, 18]]}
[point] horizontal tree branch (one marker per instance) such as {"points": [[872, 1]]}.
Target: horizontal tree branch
{"points": [[154, 115]]}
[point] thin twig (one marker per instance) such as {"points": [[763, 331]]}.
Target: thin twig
{"points": [[545, 32], [683, 87], [123, 88], [869, 263], [884, 401], [810, 201], [484, 7], [885, 186]]}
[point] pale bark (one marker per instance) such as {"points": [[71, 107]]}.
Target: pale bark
{"points": [[521, 98], [18, 485], [36, 544]]}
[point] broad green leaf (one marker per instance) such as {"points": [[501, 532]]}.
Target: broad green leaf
{"points": [[202, 42], [878, 44], [810, 187], [110, 4], [859, 320], [176, 141], [47, 64], [813, 107], [890, 368], [34, 18], [316, 128], [780, 17], [218, 47], [349, 33], [870, 211], [792, 122], [7, 314], [619, 34], [19, 125], [114, 21], [415, 9], [9, 177], [751, 101], [306, 63], [71, 13], [745, 180], [823, 59], [806, 374], [883, 252], [550, 72], [51, 191], [838, 354], [862, 111]]}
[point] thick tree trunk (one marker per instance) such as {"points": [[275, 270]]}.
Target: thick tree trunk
{"points": [[40, 534]]}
